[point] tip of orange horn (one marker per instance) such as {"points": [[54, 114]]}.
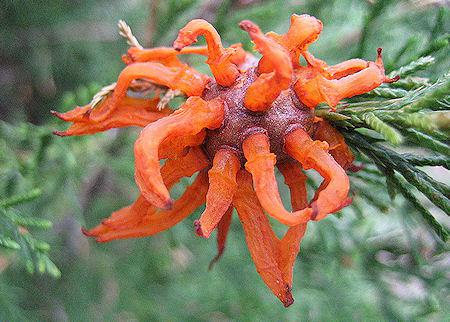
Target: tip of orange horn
{"points": [[57, 114], [392, 80], [86, 232], [60, 133], [178, 44], [248, 26], [198, 229], [289, 300]]}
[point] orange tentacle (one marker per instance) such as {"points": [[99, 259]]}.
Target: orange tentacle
{"points": [[195, 115], [222, 232], [303, 31], [164, 55], [260, 163], [186, 79], [313, 88], [129, 112], [290, 243], [183, 78], [338, 148], [172, 171], [346, 68], [313, 154], [269, 85], [261, 241], [83, 114], [222, 186], [219, 59], [156, 221], [337, 71]]}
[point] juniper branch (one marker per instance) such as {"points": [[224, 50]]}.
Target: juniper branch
{"points": [[392, 160], [426, 141], [427, 160], [438, 91], [412, 67], [411, 83], [405, 190], [388, 92], [388, 132], [15, 200]]}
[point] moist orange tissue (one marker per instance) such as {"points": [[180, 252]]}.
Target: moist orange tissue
{"points": [[234, 128]]}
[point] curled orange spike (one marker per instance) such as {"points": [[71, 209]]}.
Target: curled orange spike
{"points": [[222, 232], [129, 112], [219, 59], [268, 85], [195, 115], [337, 71], [337, 146], [164, 55], [260, 163], [313, 87], [303, 31], [183, 78], [156, 220], [82, 114], [313, 154], [346, 68], [186, 79], [172, 171], [261, 240], [222, 186], [290, 244]]}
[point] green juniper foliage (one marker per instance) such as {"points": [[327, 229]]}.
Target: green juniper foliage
{"points": [[382, 258], [409, 119], [15, 227]]}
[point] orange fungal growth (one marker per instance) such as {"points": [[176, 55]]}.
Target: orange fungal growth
{"points": [[231, 133]]}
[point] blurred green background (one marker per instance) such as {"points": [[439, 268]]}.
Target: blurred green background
{"points": [[368, 264]]}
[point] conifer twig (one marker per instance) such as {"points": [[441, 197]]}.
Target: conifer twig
{"points": [[18, 199], [412, 67], [392, 160], [125, 32], [402, 186]]}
